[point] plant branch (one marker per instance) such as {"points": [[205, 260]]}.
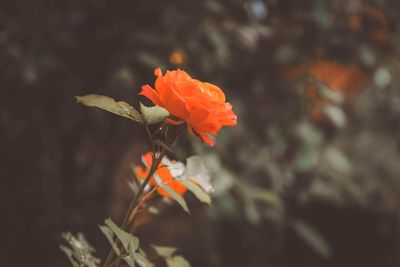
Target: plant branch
{"points": [[170, 137], [155, 162], [135, 210]]}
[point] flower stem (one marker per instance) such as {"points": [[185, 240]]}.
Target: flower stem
{"points": [[135, 210], [132, 206]]}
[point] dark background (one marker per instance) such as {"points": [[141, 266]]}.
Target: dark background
{"points": [[310, 177]]}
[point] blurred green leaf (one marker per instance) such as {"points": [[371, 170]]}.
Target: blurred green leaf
{"points": [[250, 207], [110, 237], [336, 115], [267, 197], [197, 172], [337, 160], [309, 133], [120, 108], [142, 260], [322, 15], [306, 159], [367, 55], [69, 254], [181, 201], [312, 238], [164, 251], [329, 94], [80, 252], [153, 115], [382, 77], [177, 261], [130, 260], [122, 236], [197, 191], [167, 253]]}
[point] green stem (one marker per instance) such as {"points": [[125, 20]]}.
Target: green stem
{"points": [[155, 162], [151, 138]]}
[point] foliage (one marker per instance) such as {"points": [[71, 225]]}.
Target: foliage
{"points": [[313, 82], [80, 252], [172, 260], [171, 179]]}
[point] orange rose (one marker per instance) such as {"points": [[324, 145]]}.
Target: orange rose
{"points": [[200, 104], [162, 177]]}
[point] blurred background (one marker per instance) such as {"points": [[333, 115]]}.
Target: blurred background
{"points": [[310, 177]]}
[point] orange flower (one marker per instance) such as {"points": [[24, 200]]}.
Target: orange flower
{"points": [[162, 177], [200, 104], [346, 80], [339, 77]]}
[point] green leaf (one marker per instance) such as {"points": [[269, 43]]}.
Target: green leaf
{"points": [[172, 261], [130, 260], [122, 236], [337, 160], [197, 191], [120, 108], [142, 260], [164, 251], [153, 115], [267, 196], [312, 238], [69, 254], [136, 255], [197, 171], [336, 115], [382, 77], [177, 261], [110, 237], [181, 201], [133, 246], [132, 112], [80, 252], [306, 159], [329, 94]]}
